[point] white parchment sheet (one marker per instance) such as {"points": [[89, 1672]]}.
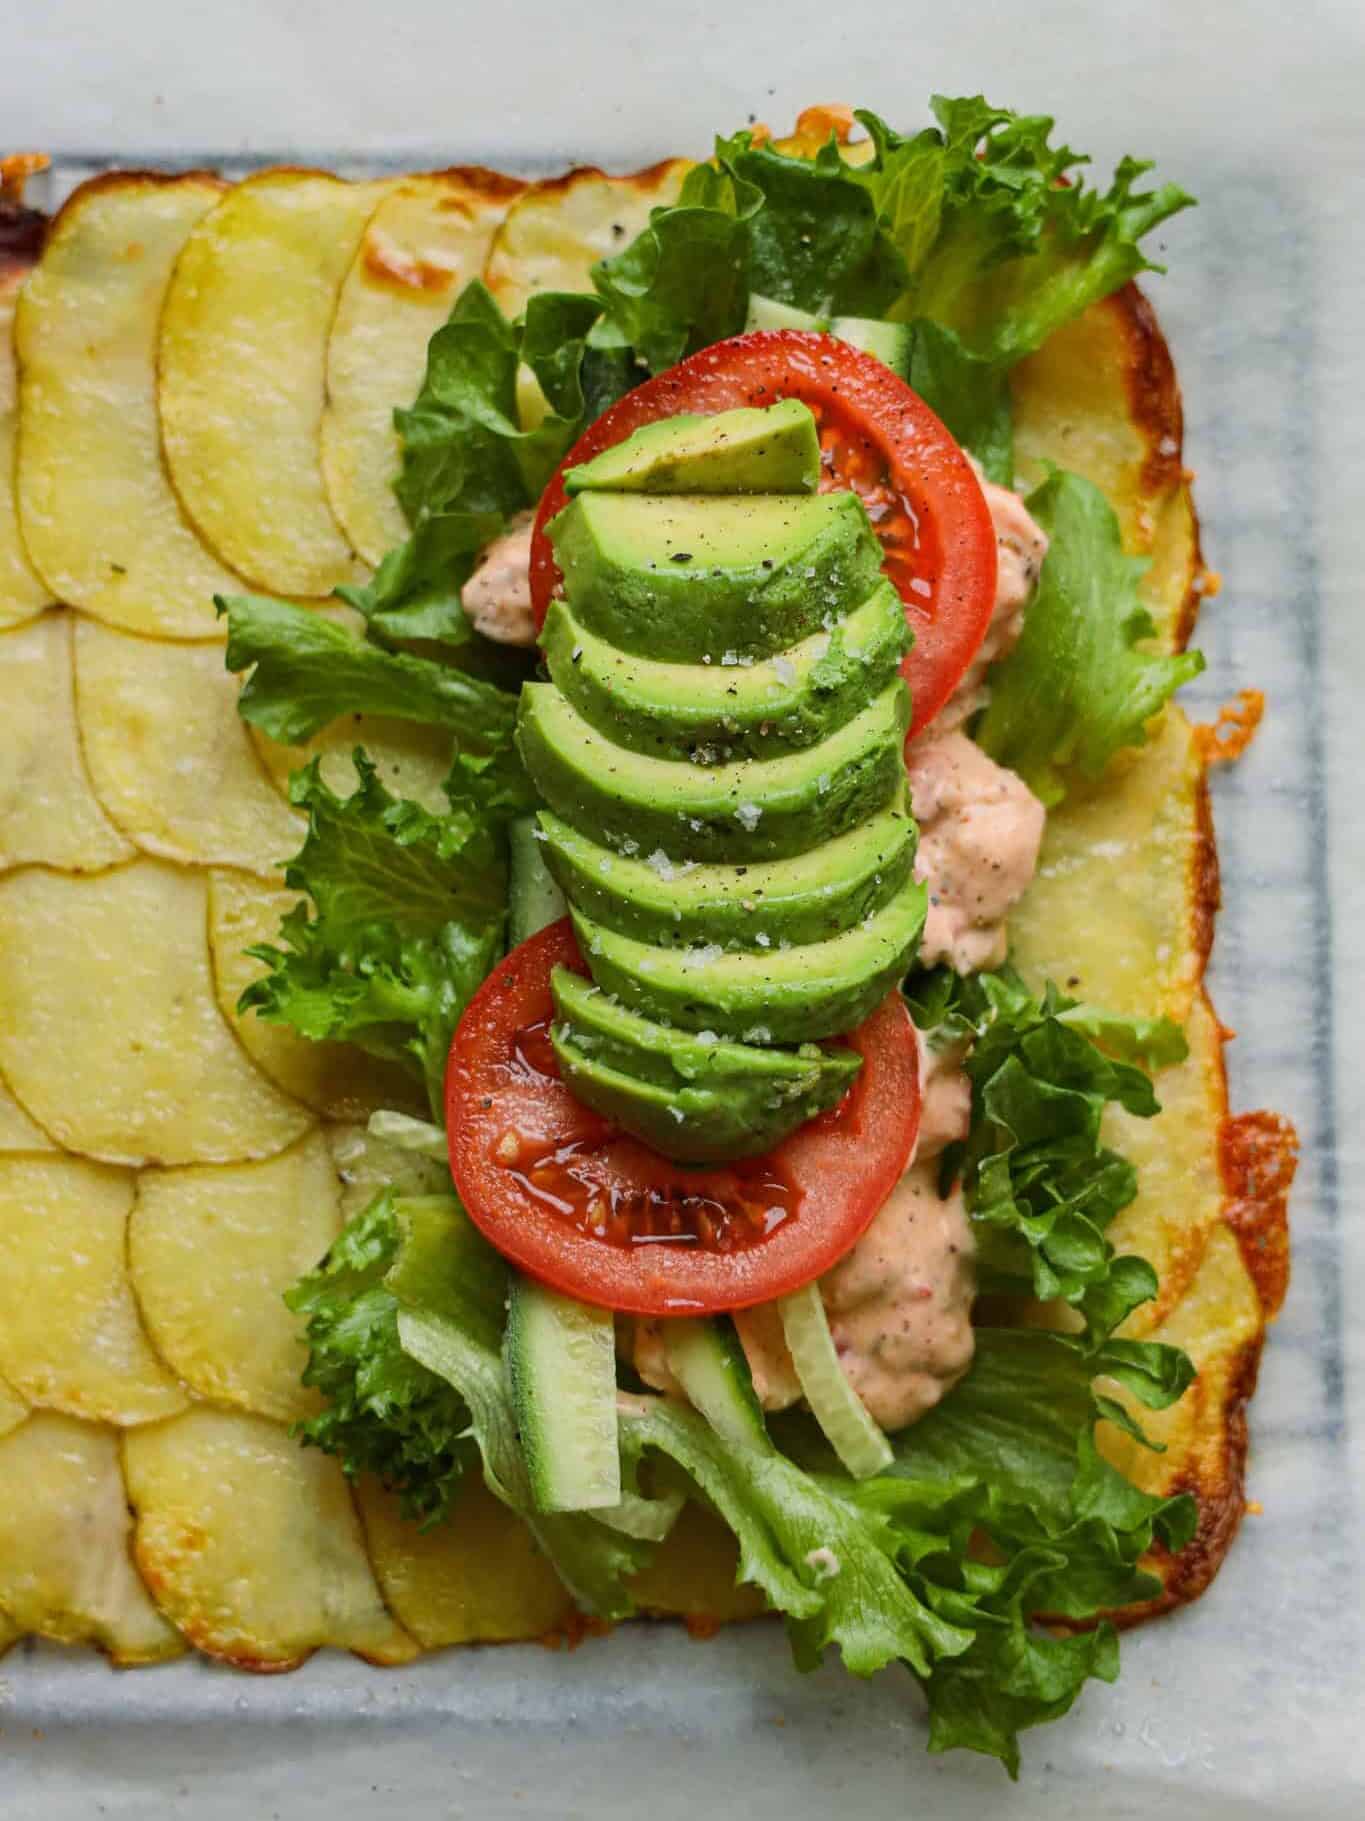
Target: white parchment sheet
{"points": [[1253, 1702]]}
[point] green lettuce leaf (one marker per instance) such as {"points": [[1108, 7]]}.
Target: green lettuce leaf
{"points": [[1079, 685], [306, 671], [385, 1414], [1039, 1182], [407, 919]]}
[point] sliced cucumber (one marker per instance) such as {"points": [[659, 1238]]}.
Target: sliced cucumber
{"points": [[768, 313], [708, 1362], [561, 1366], [534, 901], [836, 1406], [892, 342]]}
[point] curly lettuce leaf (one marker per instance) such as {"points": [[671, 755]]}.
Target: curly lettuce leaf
{"points": [[1039, 1181], [1079, 684], [384, 1413], [407, 919], [307, 671]]}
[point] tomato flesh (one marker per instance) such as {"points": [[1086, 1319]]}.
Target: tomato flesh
{"points": [[589, 1209], [878, 438]]}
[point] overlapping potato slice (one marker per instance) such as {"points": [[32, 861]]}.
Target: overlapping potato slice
{"points": [[49, 815], [170, 757], [13, 1409], [242, 369], [557, 231], [65, 1569], [479, 1578], [1121, 910], [100, 519], [212, 1250], [250, 1544], [335, 1079], [70, 1337], [110, 1035], [424, 242], [1100, 397], [22, 593], [18, 1133]]}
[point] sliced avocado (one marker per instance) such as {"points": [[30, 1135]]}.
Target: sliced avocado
{"points": [[773, 995], [756, 809], [698, 1102], [690, 577], [713, 712], [808, 898], [775, 450]]}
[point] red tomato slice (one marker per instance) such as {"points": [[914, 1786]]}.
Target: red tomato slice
{"points": [[583, 1206], [878, 438]]}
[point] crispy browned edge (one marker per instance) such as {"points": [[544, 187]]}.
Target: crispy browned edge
{"points": [[1258, 1151]]}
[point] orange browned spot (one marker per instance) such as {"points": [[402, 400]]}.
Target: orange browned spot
{"points": [[571, 1633], [1153, 392], [815, 124], [701, 1626], [495, 184], [15, 171], [21, 229], [1206, 885], [1259, 1153], [1209, 583], [1229, 736], [385, 259]]}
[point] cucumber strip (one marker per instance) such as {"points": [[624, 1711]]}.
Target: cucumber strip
{"points": [[838, 1409], [708, 1362], [561, 1366], [533, 899], [892, 342], [409, 1134], [768, 313]]}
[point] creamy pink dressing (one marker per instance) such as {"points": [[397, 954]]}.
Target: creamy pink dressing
{"points": [[497, 597], [945, 1098], [1020, 546], [899, 1307]]}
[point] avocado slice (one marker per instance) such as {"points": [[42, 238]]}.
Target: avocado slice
{"points": [[808, 898], [756, 809], [690, 577], [698, 1102], [772, 995], [772, 450], [712, 712]]}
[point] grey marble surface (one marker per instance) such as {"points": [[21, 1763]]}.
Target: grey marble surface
{"points": [[1252, 1702]]}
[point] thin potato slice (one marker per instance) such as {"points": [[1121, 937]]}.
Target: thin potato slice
{"points": [[422, 245], [110, 1036], [13, 1409], [18, 1133], [170, 756], [49, 815], [335, 1079], [211, 1252], [1100, 397], [22, 593], [1176, 1155], [1109, 916], [412, 761], [70, 1337], [557, 231], [242, 374], [65, 1571], [250, 1544], [100, 519], [478, 1578]]}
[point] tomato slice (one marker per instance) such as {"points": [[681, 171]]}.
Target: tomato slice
{"points": [[583, 1206], [878, 438]]}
